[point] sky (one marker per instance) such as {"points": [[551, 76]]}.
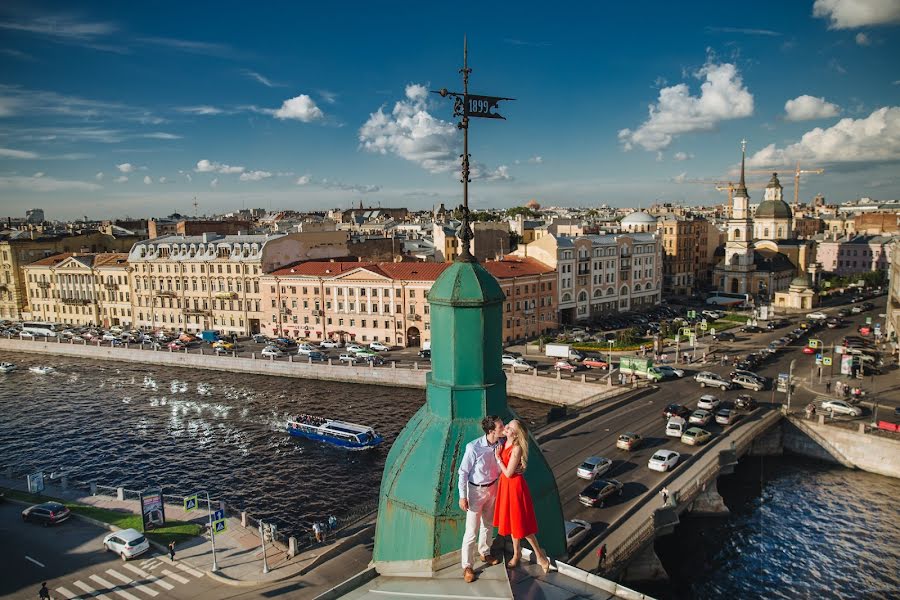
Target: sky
{"points": [[140, 109]]}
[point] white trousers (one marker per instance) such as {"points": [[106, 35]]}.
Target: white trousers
{"points": [[479, 523]]}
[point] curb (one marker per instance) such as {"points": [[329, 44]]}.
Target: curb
{"points": [[593, 413]]}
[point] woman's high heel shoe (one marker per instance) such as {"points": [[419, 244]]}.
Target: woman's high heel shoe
{"points": [[513, 562], [545, 565]]}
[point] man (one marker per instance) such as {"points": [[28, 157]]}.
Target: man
{"points": [[44, 593], [478, 474]]}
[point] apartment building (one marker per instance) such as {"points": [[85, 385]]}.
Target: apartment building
{"points": [[80, 289], [211, 281], [687, 253], [600, 274], [388, 302], [490, 240], [856, 254]]}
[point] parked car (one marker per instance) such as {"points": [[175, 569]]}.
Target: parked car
{"points": [[354, 348], [669, 371], [676, 410], [48, 513], [708, 402], [127, 543], [425, 354], [176, 345], [856, 310], [223, 344], [842, 407], [592, 362], [521, 363], [746, 402], [329, 344], [700, 417], [268, 351], [748, 383], [724, 336], [593, 467], [629, 441], [347, 358], [576, 531], [663, 460], [713, 315], [305, 348], [695, 436], [260, 338], [844, 312], [707, 378], [726, 416], [316, 356], [599, 491], [379, 347]]}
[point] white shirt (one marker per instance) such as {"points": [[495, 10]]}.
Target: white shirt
{"points": [[479, 465]]}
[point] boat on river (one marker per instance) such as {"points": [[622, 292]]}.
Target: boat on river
{"points": [[42, 369], [331, 431], [7, 367]]}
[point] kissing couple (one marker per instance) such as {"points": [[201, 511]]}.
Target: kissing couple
{"points": [[493, 492]]}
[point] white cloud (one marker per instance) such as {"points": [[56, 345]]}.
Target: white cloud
{"points": [[680, 178], [850, 14], [683, 156], [412, 133], [303, 180], [206, 166], [214, 183], [121, 179], [722, 96], [161, 135], [328, 96], [863, 39], [147, 180], [536, 160], [260, 78], [300, 108], [501, 173], [255, 175], [18, 154], [202, 110], [39, 183], [806, 107], [99, 176], [38, 174], [163, 180], [875, 138], [125, 167]]}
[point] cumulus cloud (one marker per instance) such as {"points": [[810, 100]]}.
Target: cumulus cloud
{"points": [[207, 166], [147, 180], [299, 108], [255, 175], [683, 156], [121, 179], [723, 96], [19, 154], [806, 107], [303, 180], [39, 183], [872, 139], [125, 167], [850, 14], [412, 133], [863, 39]]}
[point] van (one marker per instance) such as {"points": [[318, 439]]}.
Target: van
{"points": [[675, 427]]}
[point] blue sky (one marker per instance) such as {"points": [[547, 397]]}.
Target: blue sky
{"points": [[113, 109]]}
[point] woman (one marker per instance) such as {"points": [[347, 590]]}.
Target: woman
{"points": [[514, 510]]}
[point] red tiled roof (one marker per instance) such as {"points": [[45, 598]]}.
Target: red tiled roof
{"points": [[414, 271], [411, 271], [111, 259], [320, 268], [51, 261], [516, 267]]}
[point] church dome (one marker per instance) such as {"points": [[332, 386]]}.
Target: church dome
{"points": [[773, 209], [639, 218], [800, 281]]}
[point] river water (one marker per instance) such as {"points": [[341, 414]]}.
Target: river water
{"points": [[798, 529], [131, 425]]}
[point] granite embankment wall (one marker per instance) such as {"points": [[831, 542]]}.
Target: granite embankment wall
{"points": [[852, 448], [546, 389]]}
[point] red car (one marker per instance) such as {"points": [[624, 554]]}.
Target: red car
{"points": [[808, 350], [564, 365], [595, 363]]}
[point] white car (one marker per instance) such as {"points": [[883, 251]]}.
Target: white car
{"points": [[700, 417], [715, 315], [347, 358], [670, 371], [508, 359], [576, 531], [839, 406], [593, 466], [306, 349], [354, 348], [329, 344], [663, 460], [816, 316], [379, 347], [127, 543], [520, 363], [708, 402], [271, 352], [108, 337]]}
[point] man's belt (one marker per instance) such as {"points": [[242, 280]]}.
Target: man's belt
{"points": [[483, 484]]}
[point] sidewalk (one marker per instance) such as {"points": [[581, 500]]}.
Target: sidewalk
{"points": [[238, 550]]}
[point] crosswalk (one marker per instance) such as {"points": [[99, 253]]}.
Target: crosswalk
{"points": [[154, 576]]}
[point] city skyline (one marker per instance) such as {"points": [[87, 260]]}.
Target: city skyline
{"points": [[110, 111]]}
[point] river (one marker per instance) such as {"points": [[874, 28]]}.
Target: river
{"points": [[130, 425]]}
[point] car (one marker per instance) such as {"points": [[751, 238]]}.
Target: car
{"points": [[706, 378], [108, 337], [592, 362], [593, 467], [219, 351], [260, 338], [808, 350], [599, 491], [268, 351], [676, 410], [760, 378], [177, 345], [844, 312], [48, 513], [663, 460], [354, 348], [724, 336], [365, 354], [348, 358], [695, 436], [841, 406], [576, 531], [751, 329], [564, 365], [868, 305], [700, 417], [371, 359], [425, 354], [746, 402], [708, 402], [856, 310], [817, 316], [379, 347], [223, 344], [127, 543], [834, 322], [675, 426], [508, 359], [726, 416], [714, 315], [315, 356], [329, 344], [629, 441], [670, 371], [776, 324], [521, 363], [305, 348], [748, 383]]}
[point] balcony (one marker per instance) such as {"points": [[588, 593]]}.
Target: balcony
{"points": [[111, 285], [165, 293], [225, 295], [43, 285], [196, 311], [584, 259], [76, 301], [413, 317]]}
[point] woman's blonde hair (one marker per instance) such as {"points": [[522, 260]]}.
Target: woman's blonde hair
{"points": [[520, 439]]}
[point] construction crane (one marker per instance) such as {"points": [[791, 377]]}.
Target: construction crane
{"points": [[725, 186], [797, 173]]}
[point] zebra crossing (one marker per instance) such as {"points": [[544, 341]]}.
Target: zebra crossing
{"points": [[153, 577]]}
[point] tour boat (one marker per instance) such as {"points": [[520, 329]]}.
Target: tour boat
{"points": [[7, 367], [339, 433], [41, 370]]}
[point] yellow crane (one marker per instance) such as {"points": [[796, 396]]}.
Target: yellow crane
{"points": [[797, 173]]}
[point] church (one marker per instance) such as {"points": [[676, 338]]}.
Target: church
{"points": [[762, 254]]}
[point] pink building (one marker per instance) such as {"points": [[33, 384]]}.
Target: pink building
{"points": [[857, 254]]}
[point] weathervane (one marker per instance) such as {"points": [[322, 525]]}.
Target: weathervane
{"points": [[467, 105]]}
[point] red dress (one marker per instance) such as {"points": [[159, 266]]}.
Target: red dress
{"points": [[514, 510]]}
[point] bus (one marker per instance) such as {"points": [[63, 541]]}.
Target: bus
{"points": [[40, 328]]}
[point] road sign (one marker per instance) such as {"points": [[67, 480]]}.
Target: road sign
{"points": [[218, 515], [815, 343], [712, 331], [838, 349], [219, 526], [692, 314], [868, 320], [819, 358], [190, 503], [826, 360], [704, 326], [36, 482]]}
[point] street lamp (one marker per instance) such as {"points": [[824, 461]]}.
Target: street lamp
{"points": [[790, 385], [212, 533], [609, 361]]}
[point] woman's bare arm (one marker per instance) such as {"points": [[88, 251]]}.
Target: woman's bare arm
{"points": [[510, 469]]}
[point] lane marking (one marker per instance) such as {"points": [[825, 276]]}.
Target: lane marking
{"points": [[113, 588], [175, 576], [134, 569], [187, 569], [94, 593], [67, 593], [34, 561], [134, 584], [151, 578]]}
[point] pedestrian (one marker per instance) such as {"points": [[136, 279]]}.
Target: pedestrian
{"points": [[601, 557], [317, 530], [665, 496], [172, 550], [44, 593], [332, 523], [828, 387]]}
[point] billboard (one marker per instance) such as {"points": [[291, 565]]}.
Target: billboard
{"points": [[153, 510], [846, 364]]}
